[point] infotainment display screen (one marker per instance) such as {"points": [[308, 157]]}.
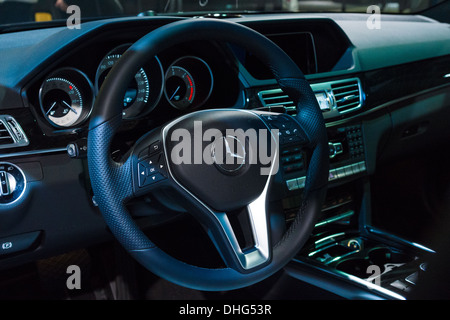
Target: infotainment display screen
{"points": [[299, 46]]}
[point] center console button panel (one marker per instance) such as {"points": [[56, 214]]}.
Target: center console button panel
{"points": [[337, 173], [346, 147]]}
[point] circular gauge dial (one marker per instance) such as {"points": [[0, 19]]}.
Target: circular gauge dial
{"points": [[188, 83], [179, 88], [64, 102], [141, 91], [138, 89]]}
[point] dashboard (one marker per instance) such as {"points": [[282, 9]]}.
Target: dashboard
{"points": [[49, 79]]}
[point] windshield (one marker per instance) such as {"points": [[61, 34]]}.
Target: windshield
{"points": [[20, 11]]}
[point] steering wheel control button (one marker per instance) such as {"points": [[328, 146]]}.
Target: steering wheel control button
{"points": [[18, 243], [162, 165], [151, 170], [155, 147], [154, 178], [288, 129], [142, 174]]}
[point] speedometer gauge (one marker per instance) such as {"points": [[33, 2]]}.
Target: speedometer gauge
{"points": [[143, 92], [66, 98]]}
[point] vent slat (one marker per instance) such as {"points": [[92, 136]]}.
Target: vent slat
{"points": [[280, 104], [277, 98], [344, 86], [346, 93], [5, 137], [350, 104]]}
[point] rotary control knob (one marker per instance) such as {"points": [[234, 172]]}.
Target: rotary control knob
{"points": [[12, 183], [332, 150]]}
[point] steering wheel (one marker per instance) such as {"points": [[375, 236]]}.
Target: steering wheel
{"points": [[232, 176]]}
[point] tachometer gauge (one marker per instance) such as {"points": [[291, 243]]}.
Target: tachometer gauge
{"points": [[179, 88], [66, 98], [143, 92], [188, 83]]}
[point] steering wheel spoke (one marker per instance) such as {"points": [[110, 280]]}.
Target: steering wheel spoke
{"points": [[251, 249], [242, 236]]}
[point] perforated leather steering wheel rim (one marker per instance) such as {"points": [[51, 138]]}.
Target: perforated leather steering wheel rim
{"points": [[108, 176]]}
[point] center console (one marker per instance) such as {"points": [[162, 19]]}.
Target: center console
{"points": [[344, 248]]}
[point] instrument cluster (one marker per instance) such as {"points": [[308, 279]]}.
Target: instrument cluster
{"points": [[67, 95]]}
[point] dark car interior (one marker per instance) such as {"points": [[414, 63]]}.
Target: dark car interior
{"points": [[383, 98]]}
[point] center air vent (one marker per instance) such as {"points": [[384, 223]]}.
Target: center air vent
{"points": [[334, 97], [347, 95], [275, 99]]}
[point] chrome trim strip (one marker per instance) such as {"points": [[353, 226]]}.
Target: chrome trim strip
{"points": [[392, 237], [384, 105], [31, 153], [367, 284], [344, 172], [331, 244], [336, 235], [341, 257], [335, 218], [420, 246]]}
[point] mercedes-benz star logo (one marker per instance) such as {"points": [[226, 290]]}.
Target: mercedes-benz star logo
{"points": [[232, 156]]}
